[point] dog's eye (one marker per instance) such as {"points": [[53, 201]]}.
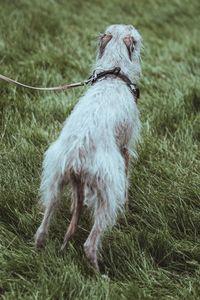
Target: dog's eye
{"points": [[130, 44], [104, 40]]}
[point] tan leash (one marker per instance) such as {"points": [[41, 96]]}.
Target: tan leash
{"points": [[116, 72], [54, 88]]}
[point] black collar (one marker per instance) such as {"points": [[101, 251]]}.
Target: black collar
{"points": [[116, 72]]}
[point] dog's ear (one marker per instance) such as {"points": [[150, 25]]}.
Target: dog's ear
{"points": [[130, 44], [104, 39]]}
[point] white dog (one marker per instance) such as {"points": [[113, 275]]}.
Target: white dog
{"points": [[92, 151]]}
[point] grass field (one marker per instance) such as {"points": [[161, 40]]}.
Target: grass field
{"points": [[154, 250]]}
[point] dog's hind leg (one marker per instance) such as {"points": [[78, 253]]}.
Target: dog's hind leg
{"points": [[110, 187], [50, 206], [126, 156], [77, 204], [51, 187], [104, 217]]}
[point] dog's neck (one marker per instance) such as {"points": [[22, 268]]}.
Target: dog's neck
{"points": [[131, 69], [116, 73]]}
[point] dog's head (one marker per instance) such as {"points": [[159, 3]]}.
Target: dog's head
{"points": [[120, 46]]}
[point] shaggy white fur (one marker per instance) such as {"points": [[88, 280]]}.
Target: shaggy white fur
{"points": [[93, 148]]}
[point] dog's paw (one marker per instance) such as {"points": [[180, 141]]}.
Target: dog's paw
{"points": [[63, 247], [40, 239], [92, 258]]}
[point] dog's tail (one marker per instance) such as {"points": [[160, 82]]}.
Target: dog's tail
{"points": [[61, 161]]}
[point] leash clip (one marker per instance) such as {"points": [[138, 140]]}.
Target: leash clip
{"points": [[132, 86], [94, 77], [116, 71]]}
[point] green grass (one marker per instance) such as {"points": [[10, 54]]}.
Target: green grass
{"points": [[154, 250]]}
